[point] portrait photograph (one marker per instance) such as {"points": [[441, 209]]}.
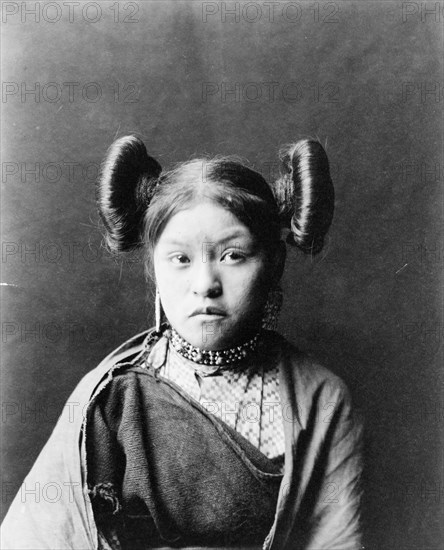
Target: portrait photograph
{"points": [[222, 259]]}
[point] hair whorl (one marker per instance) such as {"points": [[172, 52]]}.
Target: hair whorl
{"points": [[305, 195], [124, 190]]}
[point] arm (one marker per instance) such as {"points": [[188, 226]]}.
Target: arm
{"points": [[335, 521]]}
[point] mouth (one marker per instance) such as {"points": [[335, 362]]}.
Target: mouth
{"points": [[208, 312]]}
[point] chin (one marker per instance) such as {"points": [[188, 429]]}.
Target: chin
{"points": [[215, 335], [204, 334]]}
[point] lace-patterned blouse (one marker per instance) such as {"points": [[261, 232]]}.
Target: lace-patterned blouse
{"points": [[245, 399]]}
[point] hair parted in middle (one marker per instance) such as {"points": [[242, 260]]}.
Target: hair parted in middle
{"points": [[136, 199]]}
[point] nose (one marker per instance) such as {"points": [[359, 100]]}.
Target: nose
{"points": [[205, 280]]}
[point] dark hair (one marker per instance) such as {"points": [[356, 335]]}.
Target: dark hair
{"points": [[305, 195], [136, 199]]}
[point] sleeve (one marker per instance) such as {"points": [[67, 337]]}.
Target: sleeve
{"points": [[51, 509], [335, 520]]}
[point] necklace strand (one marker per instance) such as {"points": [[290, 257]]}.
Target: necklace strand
{"points": [[228, 356]]}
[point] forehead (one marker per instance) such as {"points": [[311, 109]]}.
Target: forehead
{"points": [[204, 221]]}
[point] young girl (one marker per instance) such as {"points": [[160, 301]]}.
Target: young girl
{"points": [[209, 430]]}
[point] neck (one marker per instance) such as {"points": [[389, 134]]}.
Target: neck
{"points": [[218, 358]]}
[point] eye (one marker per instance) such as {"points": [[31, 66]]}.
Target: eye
{"points": [[179, 259], [233, 257]]}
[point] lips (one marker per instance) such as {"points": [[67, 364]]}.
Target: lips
{"points": [[208, 311]]}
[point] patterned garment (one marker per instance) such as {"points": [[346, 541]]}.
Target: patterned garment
{"points": [[247, 400]]}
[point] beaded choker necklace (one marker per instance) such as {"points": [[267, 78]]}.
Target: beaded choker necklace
{"points": [[222, 357]]}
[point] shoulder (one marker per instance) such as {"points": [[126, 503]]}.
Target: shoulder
{"points": [[307, 370], [129, 348], [308, 383], [126, 353]]}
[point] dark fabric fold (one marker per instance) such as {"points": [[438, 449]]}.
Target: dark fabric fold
{"points": [[183, 478]]}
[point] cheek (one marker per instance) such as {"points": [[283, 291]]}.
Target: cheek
{"points": [[171, 287], [250, 288]]}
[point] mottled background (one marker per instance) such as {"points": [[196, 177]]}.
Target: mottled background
{"points": [[192, 77]]}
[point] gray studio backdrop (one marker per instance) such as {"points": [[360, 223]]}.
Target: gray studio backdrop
{"points": [[196, 77]]}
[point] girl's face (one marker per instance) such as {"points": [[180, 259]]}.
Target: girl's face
{"points": [[213, 276]]}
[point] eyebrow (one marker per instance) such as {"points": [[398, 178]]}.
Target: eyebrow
{"points": [[230, 236], [237, 234]]}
